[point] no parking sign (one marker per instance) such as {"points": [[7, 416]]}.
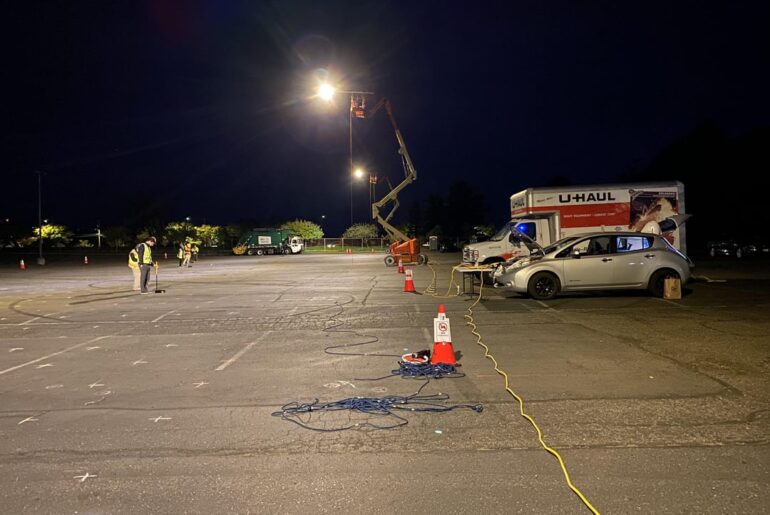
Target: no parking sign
{"points": [[441, 330]]}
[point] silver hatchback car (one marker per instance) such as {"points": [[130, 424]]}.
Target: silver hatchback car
{"points": [[596, 261]]}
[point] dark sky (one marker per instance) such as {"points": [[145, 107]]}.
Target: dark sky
{"points": [[203, 109]]}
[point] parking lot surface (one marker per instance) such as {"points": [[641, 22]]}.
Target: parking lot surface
{"points": [[114, 402]]}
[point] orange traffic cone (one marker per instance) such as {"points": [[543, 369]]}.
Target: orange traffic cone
{"points": [[408, 282], [22, 265], [443, 353], [442, 346], [85, 260], [400, 266]]}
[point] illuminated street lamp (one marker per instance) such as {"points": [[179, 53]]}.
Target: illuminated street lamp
{"points": [[360, 173], [326, 92]]}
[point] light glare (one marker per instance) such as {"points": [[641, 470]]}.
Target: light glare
{"points": [[326, 91]]}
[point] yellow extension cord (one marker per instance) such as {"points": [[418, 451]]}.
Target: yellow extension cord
{"points": [[431, 290]]}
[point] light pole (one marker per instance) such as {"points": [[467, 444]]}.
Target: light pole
{"points": [[40, 258], [372, 191], [358, 109]]}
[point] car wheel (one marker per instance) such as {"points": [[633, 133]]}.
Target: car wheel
{"points": [[422, 259], [260, 252], [543, 286], [657, 282], [250, 252], [390, 261]]}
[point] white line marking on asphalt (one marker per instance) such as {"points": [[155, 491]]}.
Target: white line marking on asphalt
{"points": [[15, 349], [29, 321], [172, 345], [139, 362], [51, 387], [94, 385], [38, 360], [93, 348], [546, 306], [84, 476], [198, 385], [156, 419], [241, 353], [44, 365], [28, 419], [672, 302], [162, 316]]}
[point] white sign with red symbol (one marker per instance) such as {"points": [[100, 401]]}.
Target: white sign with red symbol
{"points": [[441, 331]]}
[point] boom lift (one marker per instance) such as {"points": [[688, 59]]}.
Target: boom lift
{"points": [[401, 247]]}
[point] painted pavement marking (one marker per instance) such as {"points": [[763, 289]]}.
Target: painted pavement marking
{"points": [[38, 360], [241, 352]]}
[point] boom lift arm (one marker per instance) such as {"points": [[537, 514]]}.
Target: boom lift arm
{"points": [[402, 247]]}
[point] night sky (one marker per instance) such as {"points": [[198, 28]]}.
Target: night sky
{"points": [[137, 108]]}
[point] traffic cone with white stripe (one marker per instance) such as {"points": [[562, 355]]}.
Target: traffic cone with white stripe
{"points": [[409, 282], [400, 266], [442, 337], [22, 265]]}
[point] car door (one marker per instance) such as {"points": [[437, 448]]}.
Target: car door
{"points": [[589, 264], [633, 258]]}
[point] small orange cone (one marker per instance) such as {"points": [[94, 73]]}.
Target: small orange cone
{"points": [[442, 346], [22, 265], [400, 266], [408, 282], [85, 260]]}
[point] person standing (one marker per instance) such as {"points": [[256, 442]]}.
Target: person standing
{"points": [[180, 253], [133, 264], [195, 251], [187, 254], [144, 251]]}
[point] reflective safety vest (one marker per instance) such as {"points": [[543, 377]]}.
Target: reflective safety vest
{"points": [[133, 259], [146, 254]]}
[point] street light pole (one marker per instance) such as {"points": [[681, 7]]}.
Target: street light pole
{"points": [[326, 92], [40, 258], [350, 147]]}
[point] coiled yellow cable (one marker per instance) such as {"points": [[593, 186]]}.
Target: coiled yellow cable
{"points": [[488, 355], [431, 288]]}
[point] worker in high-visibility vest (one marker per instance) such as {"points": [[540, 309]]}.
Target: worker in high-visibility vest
{"points": [[133, 264], [144, 251]]}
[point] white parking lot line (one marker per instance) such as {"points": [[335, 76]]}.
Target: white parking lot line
{"points": [[241, 353], [38, 360]]}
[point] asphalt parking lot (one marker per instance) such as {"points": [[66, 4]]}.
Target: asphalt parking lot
{"points": [[112, 402]]}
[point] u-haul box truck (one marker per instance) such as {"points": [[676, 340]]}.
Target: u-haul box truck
{"points": [[549, 214]]}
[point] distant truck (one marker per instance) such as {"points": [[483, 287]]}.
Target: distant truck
{"points": [[269, 241], [548, 214]]}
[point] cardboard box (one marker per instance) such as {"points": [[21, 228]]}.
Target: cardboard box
{"points": [[672, 288]]}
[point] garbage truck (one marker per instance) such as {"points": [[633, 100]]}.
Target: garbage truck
{"points": [[548, 214], [268, 241]]}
